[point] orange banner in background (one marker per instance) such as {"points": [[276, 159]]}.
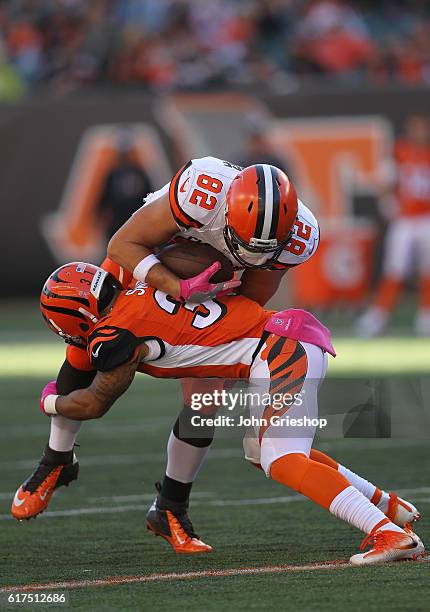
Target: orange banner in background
{"points": [[335, 159], [341, 270]]}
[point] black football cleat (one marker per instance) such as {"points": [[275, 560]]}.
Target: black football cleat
{"points": [[170, 520]]}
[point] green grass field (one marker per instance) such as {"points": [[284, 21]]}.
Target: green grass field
{"points": [[96, 529]]}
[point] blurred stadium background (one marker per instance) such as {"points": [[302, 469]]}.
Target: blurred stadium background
{"points": [[102, 101]]}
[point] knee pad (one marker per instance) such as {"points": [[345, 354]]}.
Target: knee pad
{"points": [[251, 448], [184, 430]]}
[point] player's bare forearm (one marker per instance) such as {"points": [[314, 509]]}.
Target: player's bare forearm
{"points": [[80, 405], [163, 279], [150, 227], [261, 285], [94, 401]]}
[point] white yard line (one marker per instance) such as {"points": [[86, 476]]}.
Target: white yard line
{"points": [[221, 453], [105, 460], [118, 499], [224, 503], [100, 430], [143, 508]]}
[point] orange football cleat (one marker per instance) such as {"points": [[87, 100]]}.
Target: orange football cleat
{"points": [[34, 494], [401, 512], [170, 520], [387, 546]]}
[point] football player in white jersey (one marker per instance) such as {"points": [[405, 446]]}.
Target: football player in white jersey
{"points": [[253, 217]]}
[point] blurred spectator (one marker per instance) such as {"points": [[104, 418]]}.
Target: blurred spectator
{"points": [[332, 37], [125, 186], [11, 84], [258, 148], [405, 186], [191, 44]]}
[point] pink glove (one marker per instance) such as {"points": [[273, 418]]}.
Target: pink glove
{"points": [[50, 390], [198, 288]]}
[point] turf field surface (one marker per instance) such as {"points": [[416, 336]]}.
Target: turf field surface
{"points": [[95, 529], [41, 355]]}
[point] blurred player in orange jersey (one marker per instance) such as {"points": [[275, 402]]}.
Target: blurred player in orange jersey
{"points": [[143, 329], [406, 189]]}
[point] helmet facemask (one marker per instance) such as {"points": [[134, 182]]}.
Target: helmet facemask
{"points": [[75, 297], [256, 254]]}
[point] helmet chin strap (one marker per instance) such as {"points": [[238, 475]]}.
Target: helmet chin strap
{"points": [[74, 340]]}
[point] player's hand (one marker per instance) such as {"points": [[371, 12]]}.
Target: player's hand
{"points": [[49, 389], [198, 288]]}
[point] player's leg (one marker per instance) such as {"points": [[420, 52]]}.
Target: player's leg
{"points": [[187, 448], [285, 453], [422, 323], [397, 256], [58, 465], [398, 510]]}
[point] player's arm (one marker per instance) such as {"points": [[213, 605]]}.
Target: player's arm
{"points": [[70, 378], [151, 226], [95, 400], [261, 285], [133, 245]]}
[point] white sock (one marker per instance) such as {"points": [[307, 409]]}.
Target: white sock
{"points": [[390, 527], [183, 460], [383, 502], [63, 433], [353, 507], [364, 486]]}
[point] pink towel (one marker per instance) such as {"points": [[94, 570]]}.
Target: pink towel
{"points": [[299, 324]]}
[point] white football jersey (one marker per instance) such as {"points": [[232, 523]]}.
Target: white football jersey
{"points": [[197, 197]]}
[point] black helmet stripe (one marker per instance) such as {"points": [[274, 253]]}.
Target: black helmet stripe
{"points": [[67, 311], [276, 203], [261, 183], [268, 202], [51, 294]]}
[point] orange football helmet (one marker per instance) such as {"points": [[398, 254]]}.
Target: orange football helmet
{"points": [[74, 297], [261, 209]]}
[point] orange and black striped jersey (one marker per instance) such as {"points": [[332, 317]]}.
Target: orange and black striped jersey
{"points": [[413, 178], [197, 196], [215, 339]]}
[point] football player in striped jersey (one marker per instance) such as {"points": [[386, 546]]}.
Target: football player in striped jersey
{"points": [[144, 329], [254, 218]]}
